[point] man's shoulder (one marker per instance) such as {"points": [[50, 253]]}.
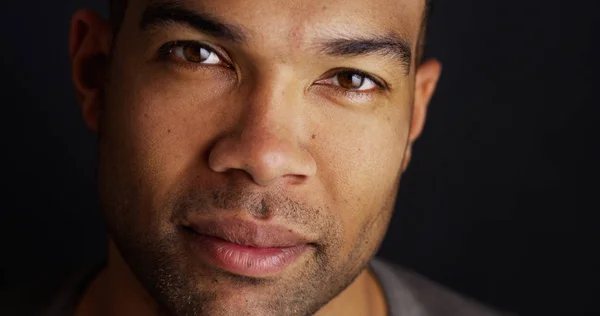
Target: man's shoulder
{"points": [[410, 294]]}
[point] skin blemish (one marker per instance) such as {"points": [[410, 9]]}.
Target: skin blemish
{"points": [[297, 35], [313, 136]]}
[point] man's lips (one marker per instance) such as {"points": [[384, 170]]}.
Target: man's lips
{"points": [[244, 247], [248, 233]]}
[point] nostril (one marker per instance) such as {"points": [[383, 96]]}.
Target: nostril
{"points": [[295, 179]]}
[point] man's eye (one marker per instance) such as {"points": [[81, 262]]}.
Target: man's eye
{"points": [[352, 80], [191, 52]]}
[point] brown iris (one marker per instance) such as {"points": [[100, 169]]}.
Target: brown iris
{"points": [[195, 53], [350, 80]]}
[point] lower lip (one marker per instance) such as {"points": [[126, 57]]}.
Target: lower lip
{"points": [[246, 260]]}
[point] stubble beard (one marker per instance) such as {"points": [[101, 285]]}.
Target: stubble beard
{"points": [[182, 286]]}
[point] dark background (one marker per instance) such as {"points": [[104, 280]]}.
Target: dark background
{"points": [[499, 203]]}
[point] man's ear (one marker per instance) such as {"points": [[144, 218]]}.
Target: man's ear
{"points": [[89, 50], [426, 80]]}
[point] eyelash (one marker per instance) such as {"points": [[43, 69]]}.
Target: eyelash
{"points": [[165, 53]]}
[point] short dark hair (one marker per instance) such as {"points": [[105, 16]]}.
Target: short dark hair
{"points": [[117, 10]]}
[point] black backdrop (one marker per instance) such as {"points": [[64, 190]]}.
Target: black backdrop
{"points": [[500, 201]]}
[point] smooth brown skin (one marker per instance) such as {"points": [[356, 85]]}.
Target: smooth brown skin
{"points": [[325, 161]]}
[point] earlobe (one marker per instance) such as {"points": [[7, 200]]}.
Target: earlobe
{"points": [[407, 157], [89, 49], [426, 80]]}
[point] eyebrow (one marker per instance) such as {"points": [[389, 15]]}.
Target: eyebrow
{"points": [[391, 45], [162, 12]]}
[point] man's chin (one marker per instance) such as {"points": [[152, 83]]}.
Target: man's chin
{"points": [[242, 301], [235, 295]]}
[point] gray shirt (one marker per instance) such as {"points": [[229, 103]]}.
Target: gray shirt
{"points": [[409, 294]]}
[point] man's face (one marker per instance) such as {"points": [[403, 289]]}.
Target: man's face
{"points": [[250, 151]]}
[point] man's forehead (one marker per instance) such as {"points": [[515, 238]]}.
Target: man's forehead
{"points": [[301, 19], [287, 31]]}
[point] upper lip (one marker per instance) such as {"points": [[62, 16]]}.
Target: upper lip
{"points": [[248, 233]]}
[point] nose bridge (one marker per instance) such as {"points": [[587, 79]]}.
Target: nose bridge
{"points": [[268, 142], [271, 110]]}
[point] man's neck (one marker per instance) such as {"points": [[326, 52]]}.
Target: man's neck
{"points": [[116, 291], [363, 297]]}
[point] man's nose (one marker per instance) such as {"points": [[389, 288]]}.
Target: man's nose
{"points": [[269, 141]]}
